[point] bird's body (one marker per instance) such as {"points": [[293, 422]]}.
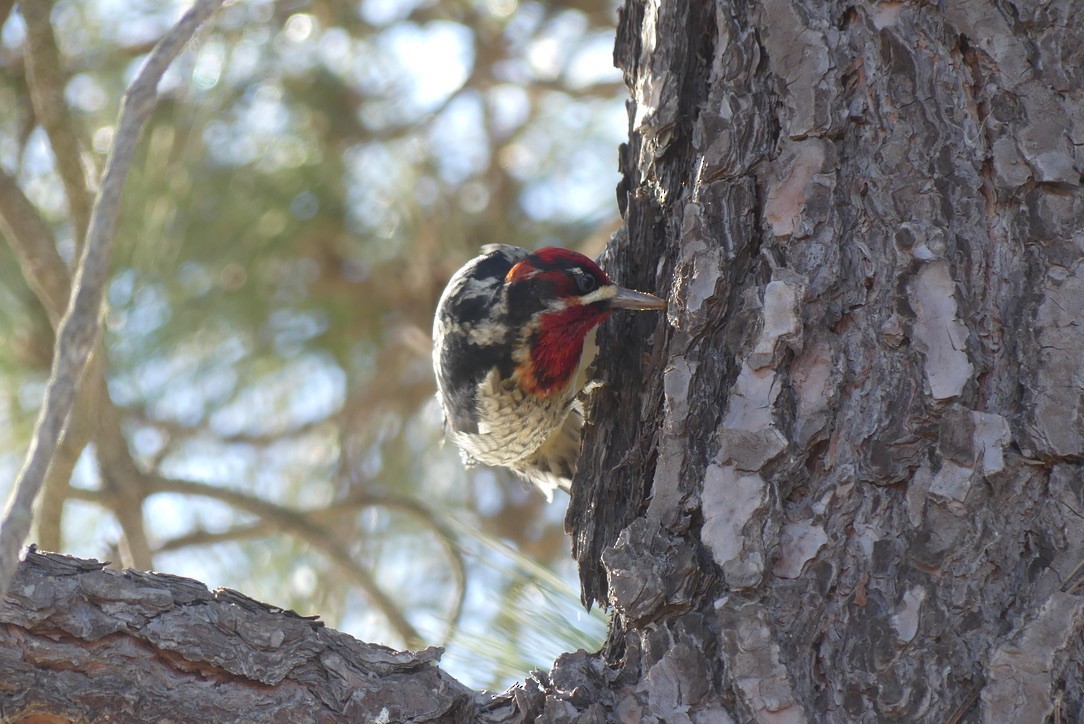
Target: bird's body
{"points": [[509, 336]]}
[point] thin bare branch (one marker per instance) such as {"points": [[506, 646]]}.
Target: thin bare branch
{"points": [[80, 328], [32, 242], [180, 432], [121, 475], [49, 518], [296, 523], [325, 516], [47, 276], [46, 78]]}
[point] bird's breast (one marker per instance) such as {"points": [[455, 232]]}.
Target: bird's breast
{"points": [[512, 423]]}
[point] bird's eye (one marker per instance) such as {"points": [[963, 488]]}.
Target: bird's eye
{"points": [[586, 283]]}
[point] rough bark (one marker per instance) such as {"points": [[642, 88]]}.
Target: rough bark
{"points": [[843, 479], [80, 642], [862, 429], [88, 644]]}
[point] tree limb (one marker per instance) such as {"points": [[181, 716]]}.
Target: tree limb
{"points": [[80, 328], [46, 79], [72, 634], [47, 276], [120, 473], [32, 242]]}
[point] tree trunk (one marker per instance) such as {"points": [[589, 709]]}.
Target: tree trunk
{"points": [[862, 430], [842, 480]]}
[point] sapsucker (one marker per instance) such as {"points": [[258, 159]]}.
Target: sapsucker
{"points": [[508, 341]]}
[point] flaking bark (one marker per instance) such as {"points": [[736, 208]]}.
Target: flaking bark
{"points": [[855, 490], [90, 644]]}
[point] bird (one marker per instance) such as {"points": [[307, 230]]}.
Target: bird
{"points": [[508, 353]]}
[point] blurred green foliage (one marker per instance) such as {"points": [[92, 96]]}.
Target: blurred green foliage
{"points": [[314, 173]]}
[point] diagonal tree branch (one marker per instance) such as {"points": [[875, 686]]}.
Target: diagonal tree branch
{"points": [[120, 473], [80, 328], [46, 79], [297, 523], [47, 275], [307, 526], [32, 242], [327, 516]]}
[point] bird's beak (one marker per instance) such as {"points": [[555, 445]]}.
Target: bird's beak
{"points": [[628, 299]]}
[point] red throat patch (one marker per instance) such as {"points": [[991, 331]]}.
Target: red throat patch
{"points": [[556, 349]]}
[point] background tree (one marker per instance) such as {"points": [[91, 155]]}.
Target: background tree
{"points": [[853, 485]]}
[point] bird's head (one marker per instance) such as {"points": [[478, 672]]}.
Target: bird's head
{"points": [[556, 297]]}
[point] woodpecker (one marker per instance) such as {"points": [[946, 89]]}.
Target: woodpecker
{"points": [[508, 341]]}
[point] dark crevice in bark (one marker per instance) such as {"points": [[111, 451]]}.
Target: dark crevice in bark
{"points": [[593, 521]]}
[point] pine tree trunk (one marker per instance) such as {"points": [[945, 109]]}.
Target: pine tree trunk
{"points": [[842, 479], [855, 489]]}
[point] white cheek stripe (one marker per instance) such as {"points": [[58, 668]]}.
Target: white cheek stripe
{"points": [[599, 295]]}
